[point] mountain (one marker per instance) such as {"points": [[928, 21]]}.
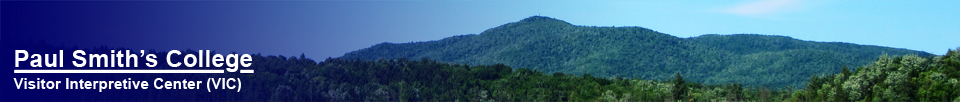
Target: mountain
{"points": [[551, 45]]}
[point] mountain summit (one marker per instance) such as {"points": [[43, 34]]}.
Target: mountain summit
{"points": [[553, 45], [542, 19]]}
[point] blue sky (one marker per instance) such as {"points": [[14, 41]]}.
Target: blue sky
{"points": [[323, 29]]}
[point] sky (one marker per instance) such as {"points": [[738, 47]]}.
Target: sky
{"points": [[321, 29]]}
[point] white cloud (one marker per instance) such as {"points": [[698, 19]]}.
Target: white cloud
{"points": [[762, 7]]}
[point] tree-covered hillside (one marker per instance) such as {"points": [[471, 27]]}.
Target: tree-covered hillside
{"points": [[890, 79], [289, 78], [897, 78], [552, 45]]}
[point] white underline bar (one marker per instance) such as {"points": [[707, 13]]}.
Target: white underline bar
{"points": [[120, 71], [246, 71]]}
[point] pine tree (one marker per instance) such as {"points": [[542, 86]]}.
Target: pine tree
{"points": [[680, 88], [846, 71]]}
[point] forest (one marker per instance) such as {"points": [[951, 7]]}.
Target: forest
{"points": [[889, 78], [544, 59], [296, 78], [551, 45]]}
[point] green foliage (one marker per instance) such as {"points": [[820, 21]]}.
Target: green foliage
{"points": [[680, 88], [899, 78], [280, 78], [552, 45], [297, 79], [384, 72]]}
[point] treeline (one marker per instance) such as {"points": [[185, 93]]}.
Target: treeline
{"points": [[898, 78], [299, 79], [281, 78], [552, 45]]}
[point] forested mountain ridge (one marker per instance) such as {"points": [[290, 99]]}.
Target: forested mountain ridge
{"points": [[290, 78], [551, 45]]}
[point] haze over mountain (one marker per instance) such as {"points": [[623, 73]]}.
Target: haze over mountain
{"points": [[552, 45]]}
